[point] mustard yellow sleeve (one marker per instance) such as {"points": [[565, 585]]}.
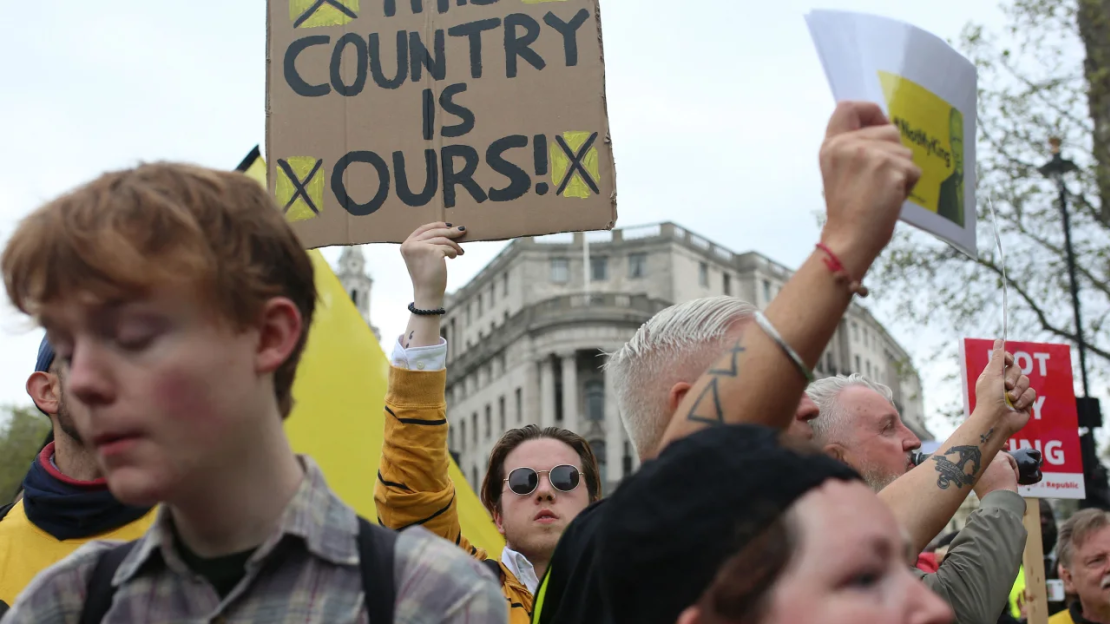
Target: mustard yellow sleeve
{"points": [[413, 486]]}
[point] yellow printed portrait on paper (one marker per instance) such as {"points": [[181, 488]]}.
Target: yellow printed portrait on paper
{"points": [[934, 130]]}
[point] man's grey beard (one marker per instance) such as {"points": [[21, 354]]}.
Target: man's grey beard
{"points": [[876, 479]]}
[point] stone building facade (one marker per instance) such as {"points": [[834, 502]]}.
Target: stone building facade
{"points": [[527, 341]]}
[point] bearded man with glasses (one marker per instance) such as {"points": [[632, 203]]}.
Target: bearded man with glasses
{"points": [[537, 481]]}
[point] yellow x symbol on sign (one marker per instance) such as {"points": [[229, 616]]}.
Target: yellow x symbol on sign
{"points": [[314, 13], [300, 187], [574, 164]]}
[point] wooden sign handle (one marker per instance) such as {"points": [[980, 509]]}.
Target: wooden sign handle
{"points": [[1036, 603]]}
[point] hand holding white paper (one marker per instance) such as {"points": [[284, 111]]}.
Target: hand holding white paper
{"points": [[929, 92]]}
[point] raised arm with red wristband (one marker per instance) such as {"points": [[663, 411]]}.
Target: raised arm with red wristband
{"points": [[867, 175]]}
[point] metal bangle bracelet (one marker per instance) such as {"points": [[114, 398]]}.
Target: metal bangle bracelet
{"points": [[773, 333]]}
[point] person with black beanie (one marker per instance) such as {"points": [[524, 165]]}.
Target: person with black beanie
{"points": [[741, 524]]}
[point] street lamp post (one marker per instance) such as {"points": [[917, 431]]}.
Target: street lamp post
{"points": [[1055, 170], [1090, 416]]}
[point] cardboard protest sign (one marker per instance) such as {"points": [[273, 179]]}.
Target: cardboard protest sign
{"points": [[1053, 427], [928, 90], [383, 115]]}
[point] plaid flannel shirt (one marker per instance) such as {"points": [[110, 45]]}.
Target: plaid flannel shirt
{"points": [[306, 572]]}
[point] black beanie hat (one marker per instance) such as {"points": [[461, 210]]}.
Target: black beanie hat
{"points": [[671, 526]]}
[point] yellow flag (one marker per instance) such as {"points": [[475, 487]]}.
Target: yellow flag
{"points": [[340, 399]]}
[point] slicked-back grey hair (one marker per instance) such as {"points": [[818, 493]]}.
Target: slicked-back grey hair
{"points": [[826, 393], [676, 345]]}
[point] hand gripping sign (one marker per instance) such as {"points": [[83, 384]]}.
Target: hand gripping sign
{"points": [[386, 114], [1053, 427]]}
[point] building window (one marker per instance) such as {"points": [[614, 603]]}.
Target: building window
{"points": [[519, 407], [830, 363], [703, 274], [479, 305], [354, 297], [505, 284], [598, 447], [501, 412], [859, 369], [474, 425], [868, 368], [462, 435], [492, 295], [468, 316], [728, 284], [474, 478], [637, 265], [489, 421], [626, 459], [595, 400], [855, 332], [560, 270], [450, 437], [599, 268]]}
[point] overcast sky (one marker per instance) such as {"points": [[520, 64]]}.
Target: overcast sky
{"points": [[717, 110]]}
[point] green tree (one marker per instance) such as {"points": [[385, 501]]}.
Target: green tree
{"points": [[19, 441], [1047, 74]]}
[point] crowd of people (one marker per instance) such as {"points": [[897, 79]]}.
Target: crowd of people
{"points": [[176, 302]]}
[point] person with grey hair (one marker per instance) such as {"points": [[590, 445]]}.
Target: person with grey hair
{"points": [[653, 371], [1084, 566], [860, 426], [651, 375], [853, 409]]}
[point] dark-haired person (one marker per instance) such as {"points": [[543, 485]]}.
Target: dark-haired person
{"points": [[811, 544], [64, 500], [537, 481]]}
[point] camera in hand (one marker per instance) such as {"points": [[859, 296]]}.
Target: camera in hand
{"points": [[1028, 463]]}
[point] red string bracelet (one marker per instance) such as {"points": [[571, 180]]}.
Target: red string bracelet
{"points": [[840, 273]]}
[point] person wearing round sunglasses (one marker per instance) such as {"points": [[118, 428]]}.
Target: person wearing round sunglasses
{"points": [[537, 481]]}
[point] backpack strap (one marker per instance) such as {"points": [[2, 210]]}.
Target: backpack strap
{"points": [[375, 561], [99, 594]]}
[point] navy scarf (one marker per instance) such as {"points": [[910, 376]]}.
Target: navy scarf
{"points": [[70, 509]]}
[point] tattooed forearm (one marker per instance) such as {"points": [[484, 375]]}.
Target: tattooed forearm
{"points": [[986, 436], [707, 409], [950, 472]]}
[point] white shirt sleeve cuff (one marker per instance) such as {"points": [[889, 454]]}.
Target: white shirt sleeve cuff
{"points": [[430, 358]]}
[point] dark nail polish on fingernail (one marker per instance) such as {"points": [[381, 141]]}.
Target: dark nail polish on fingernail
{"points": [[448, 225], [461, 228]]}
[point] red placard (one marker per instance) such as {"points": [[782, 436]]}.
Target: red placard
{"points": [[1053, 427]]}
